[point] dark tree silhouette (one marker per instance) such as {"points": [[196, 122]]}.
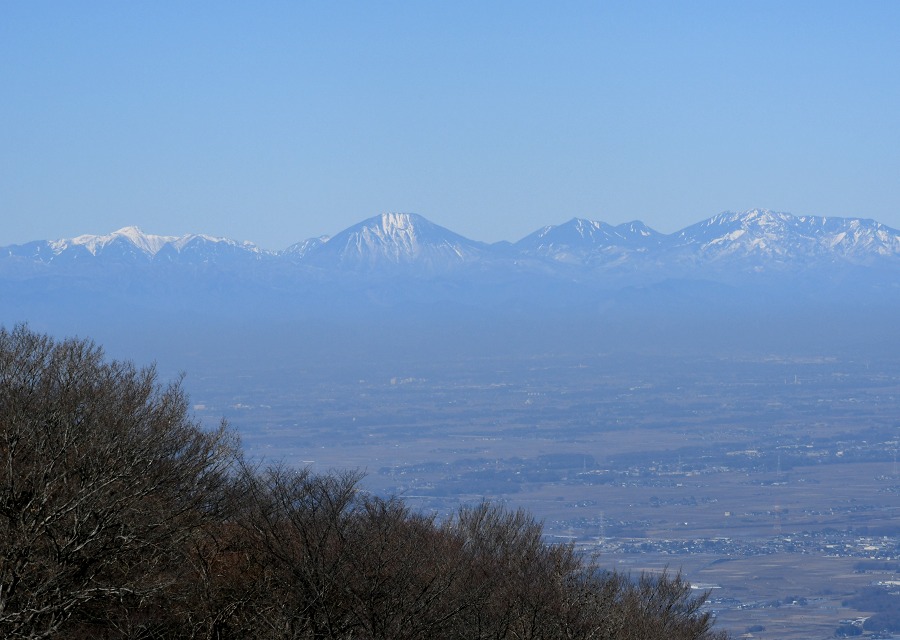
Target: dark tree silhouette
{"points": [[104, 477]]}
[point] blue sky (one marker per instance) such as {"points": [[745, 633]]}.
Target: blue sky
{"points": [[275, 122]]}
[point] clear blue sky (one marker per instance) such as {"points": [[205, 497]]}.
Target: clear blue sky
{"points": [[274, 122]]}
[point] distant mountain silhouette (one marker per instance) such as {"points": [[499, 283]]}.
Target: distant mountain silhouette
{"points": [[559, 262]]}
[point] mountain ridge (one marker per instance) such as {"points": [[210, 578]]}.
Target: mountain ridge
{"points": [[751, 241]]}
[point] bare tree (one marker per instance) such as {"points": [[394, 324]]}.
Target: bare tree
{"points": [[514, 574], [405, 575], [520, 587], [296, 525], [663, 606], [103, 477]]}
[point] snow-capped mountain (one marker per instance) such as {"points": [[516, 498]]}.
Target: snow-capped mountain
{"points": [[127, 236], [393, 239], [756, 241], [765, 235], [131, 243], [581, 241], [299, 250]]}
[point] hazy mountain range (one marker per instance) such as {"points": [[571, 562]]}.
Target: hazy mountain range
{"points": [[757, 277], [749, 242]]}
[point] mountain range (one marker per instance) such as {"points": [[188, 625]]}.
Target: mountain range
{"points": [[397, 285], [756, 241]]}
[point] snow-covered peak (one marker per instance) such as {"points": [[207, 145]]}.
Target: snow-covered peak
{"points": [[637, 228], [407, 231], [761, 232], [394, 228], [393, 222], [580, 239], [586, 228], [146, 243], [149, 244], [729, 226], [762, 218], [300, 249], [395, 238]]}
